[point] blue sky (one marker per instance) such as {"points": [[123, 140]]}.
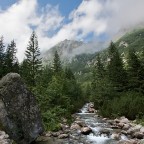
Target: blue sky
{"points": [[65, 6]]}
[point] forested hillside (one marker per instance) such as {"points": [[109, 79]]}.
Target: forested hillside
{"points": [[113, 79]]}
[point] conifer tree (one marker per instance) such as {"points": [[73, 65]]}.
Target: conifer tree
{"points": [[11, 61], [69, 74], [24, 70], [33, 60], [56, 63], [116, 72], [135, 71], [2, 55], [101, 87]]}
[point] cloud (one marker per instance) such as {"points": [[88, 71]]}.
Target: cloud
{"points": [[18, 21], [91, 16], [122, 15]]}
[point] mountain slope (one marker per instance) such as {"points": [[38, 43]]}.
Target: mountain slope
{"points": [[134, 40], [64, 49], [82, 64]]}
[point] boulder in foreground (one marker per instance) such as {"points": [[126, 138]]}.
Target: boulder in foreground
{"points": [[19, 113]]}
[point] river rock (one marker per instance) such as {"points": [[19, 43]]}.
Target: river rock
{"points": [[142, 130], [63, 136], [111, 122], [48, 134], [104, 131], [137, 127], [19, 112], [131, 131], [126, 142], [138, 135], [120, 125], [114, 127], [104, 119], [116, 120], [126, 127], [115, 136], [75, 127], [64, 126], [86, 130], [124, 120], [91, 105], [91, 110], [134, 141], [141, 141], [124, 132], [56, 134], [80, 123]]}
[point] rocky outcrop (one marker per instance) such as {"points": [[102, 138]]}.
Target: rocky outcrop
{"points": [[19, 113]]}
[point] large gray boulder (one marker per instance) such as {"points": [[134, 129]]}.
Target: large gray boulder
{"points": [[19, 113]]}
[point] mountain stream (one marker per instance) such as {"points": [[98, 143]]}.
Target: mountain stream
{"points": [[97, 125]]}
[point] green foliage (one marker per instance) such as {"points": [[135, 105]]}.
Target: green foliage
{"points": [[101, 87], [129, 104], [56, 63], [51, 119], [11, 62], [2, 56], [117, 91], [58, 94], [32, 63], [135, 72], [134, 39], [116, 73]]}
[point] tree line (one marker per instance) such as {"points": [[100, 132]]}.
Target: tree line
{"points": [[117, 87], [55, 86]]}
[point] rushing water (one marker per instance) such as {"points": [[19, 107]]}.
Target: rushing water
{"points": [[96, 124]]}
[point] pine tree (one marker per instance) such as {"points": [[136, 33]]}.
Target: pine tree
{"points": [[56, 63], [33, 59], [2, 56], [69, 74], [11, 61], [116, 72], [101, 86], [135, 71], [24, 70]]}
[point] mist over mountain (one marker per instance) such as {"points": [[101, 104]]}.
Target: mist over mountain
{"points": [[68, 49]]}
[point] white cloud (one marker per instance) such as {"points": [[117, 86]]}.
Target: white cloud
{"points": [[17, 21], [97, 16]]}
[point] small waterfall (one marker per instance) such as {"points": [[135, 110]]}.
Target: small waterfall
{"points": [[84, 109]]}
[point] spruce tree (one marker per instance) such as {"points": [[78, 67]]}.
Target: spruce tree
{"points": [[69, 74], [101, 87], [2, 56], [116, 72], [11, 61], [33, 60], [56, 63], [135, 71]]}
